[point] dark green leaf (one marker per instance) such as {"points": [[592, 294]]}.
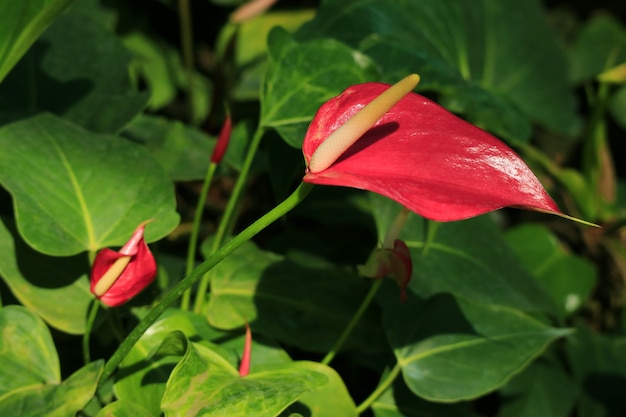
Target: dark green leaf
{"points": [[498, 62], [302, 76], [305, 306], [453, 349], [600, 45], [77, 70], [74, 190]]}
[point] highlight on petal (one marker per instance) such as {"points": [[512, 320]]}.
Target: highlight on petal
{"points": [[425, 158], [116, 277]]}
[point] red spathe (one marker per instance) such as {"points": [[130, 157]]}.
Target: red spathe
{"points": [[425, 158]]}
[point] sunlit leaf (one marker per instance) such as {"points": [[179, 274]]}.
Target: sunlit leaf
{"points": [[74, 190]]}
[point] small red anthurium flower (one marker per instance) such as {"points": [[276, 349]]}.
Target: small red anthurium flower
{"points": [[244, 366], [222, 140], [116, 277], [406, 147]]}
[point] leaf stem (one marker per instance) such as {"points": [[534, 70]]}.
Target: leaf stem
{"points": [[184, 14], [353, 322], [91, 318], [229, 213], [195, 230], [380, 389], [270, 217]]}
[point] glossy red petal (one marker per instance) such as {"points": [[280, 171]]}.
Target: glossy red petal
{"points": [[425, 158]]}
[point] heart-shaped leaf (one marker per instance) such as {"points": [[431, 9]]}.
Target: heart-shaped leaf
{"points": [[74, 190], [21, 22], [498, 62], [302, 76], [203, 383], [258, 287], [55, 288], [451, 349], [423, 157], [77, 70]]}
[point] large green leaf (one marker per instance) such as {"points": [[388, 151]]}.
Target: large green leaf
{"points": [[496, 61], [451, 349], [305, 306], [568, 278], [21, 22], [58, 400], [27, 352], [301, 76], [469, 258], [77, 70], [143, 372], [74, 190], [55, 288], [204, 383], [124, 409]]}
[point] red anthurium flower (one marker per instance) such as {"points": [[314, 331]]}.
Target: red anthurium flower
{"points": [[116, 277], [391, 263], [417, 153]]}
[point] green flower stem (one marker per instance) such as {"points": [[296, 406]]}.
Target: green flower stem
{"points": [[91, 318], [355, 319], [229, 213], [195, 230], [270, 217], [184, 14], [382, 387]]}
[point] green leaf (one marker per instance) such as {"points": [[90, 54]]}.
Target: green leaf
{"points": [[468, 258], [21, 22], [74, 190], [568, 278], [302, 76], [125, 409], [399, 401], [145, 370], [498, 62], [331, 400], [203, 383], [77, 70], [600, 45], [453, 349], [542, 389], [27, 353], [617, 106], [598, 364], [304, 306], [62, 400], [57, 289]]}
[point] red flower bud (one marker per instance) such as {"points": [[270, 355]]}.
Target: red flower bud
{"points": [[222, 141], [116, 277], [244, 366], [393, 263]]}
